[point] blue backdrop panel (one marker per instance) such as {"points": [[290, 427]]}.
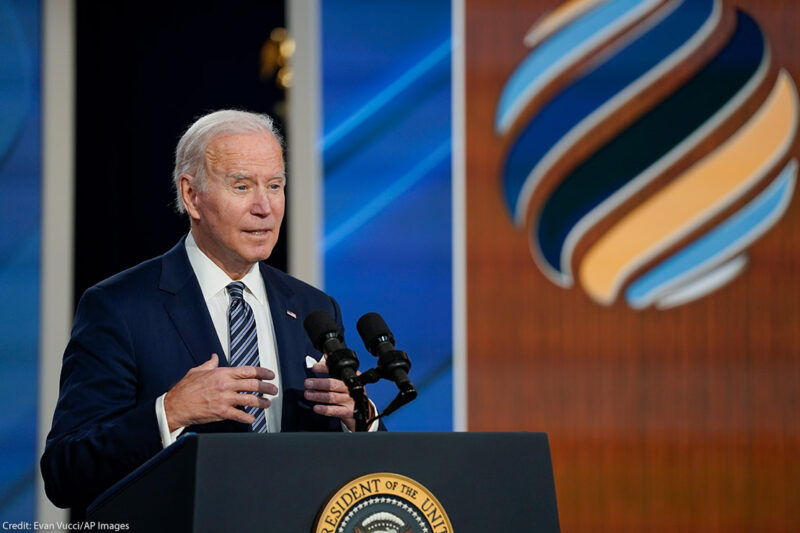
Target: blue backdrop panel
{"points": [[19, 254], [387, 173]]}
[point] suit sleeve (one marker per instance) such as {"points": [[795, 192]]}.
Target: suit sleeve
{"points": [[101, 429]]}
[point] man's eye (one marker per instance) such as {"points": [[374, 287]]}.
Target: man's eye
{"points": [[241, 187]]}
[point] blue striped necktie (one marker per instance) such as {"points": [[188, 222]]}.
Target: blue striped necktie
{"points": [[244, 343]]}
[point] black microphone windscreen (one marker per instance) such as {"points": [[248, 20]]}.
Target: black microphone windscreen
{"points": [[371, 326], [319, 324]]}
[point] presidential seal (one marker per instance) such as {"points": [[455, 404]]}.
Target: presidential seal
{"points": [[382, 503]]}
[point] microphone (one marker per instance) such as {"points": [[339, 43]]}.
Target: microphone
{"points": [[326, 336], [393, 364]]}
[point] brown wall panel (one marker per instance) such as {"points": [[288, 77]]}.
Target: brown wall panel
{"points": [[684, 419]]}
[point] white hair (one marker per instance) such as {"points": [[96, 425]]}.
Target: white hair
{"points": [[190, 155]]}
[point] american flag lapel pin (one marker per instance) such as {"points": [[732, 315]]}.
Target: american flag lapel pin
{"points": [[291, 314]]}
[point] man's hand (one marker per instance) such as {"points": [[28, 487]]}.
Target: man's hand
{"points": [[208, 393], [334, 398]]}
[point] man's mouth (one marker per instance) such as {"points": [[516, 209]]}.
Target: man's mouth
{"points": [[256, 232]]}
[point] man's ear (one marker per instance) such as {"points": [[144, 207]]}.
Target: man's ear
{"points": [[189, 194]]}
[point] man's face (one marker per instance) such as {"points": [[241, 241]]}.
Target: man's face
{"points": [[237, 218]]}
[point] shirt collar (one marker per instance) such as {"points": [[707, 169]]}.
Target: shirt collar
{"points": [[213, 279]]}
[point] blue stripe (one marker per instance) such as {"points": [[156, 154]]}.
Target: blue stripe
{"points": [[250, 350], [377, 204], [237, 330], [597, 87], [260, 423], [244, 353], [236, 312], [245, 340], [632, 152], [242, 324], [440, 53], [717, 243], [548, 53]]}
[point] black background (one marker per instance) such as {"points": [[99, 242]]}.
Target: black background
{"points": [[145, 71]]}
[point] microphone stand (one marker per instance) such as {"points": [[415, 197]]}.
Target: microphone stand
{"points": [[342, 364], [388, 365]]}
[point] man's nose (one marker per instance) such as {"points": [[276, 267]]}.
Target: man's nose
{"points": [[262, 203]]}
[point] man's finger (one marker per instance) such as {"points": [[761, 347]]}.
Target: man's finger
{"points": [[251, 372], [338, 398], [320, 368], [267, 388], [252, 400], [211, 364], [325, 384], [240, 416], [255, 385], [333, 410], [244, 399]]}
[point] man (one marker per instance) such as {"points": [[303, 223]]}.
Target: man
{"points": [[205, 337]]}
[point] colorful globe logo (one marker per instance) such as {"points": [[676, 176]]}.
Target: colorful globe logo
{"points": [[649, 144]]}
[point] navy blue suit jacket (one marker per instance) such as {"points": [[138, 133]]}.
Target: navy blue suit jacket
{"points": [[135, 335]]}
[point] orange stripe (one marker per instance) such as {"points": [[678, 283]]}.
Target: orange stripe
{"points": [[557, 19], [694, 197]]}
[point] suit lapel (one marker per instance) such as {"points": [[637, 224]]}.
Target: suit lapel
{"points": [[289, 332], [186, 308]]}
